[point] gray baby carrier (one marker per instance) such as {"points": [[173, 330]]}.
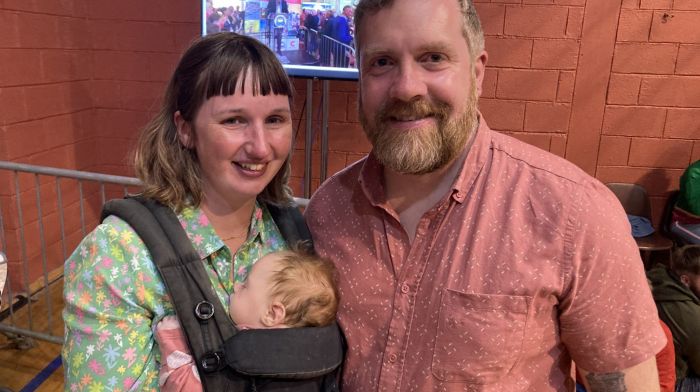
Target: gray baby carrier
{"points": [[289, 359]]}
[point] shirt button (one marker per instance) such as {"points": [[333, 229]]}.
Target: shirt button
{"points": [[405, 289], [392, 358]]}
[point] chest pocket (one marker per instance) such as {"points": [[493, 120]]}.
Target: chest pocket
{"points": [[479, 336]]}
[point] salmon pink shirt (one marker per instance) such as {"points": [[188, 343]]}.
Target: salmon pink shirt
{"points": [[526, 263]]}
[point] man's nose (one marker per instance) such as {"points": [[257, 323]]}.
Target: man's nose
{"points": [[408, 83]]}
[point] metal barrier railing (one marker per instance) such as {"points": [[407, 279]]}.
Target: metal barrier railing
{"points": [[30, 276], [335, 53], [311, 42]]}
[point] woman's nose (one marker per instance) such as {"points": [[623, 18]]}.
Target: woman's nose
{"points": [[257, 145]]}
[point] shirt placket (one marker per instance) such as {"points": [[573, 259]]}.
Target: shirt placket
{"points": [[408, 274]]}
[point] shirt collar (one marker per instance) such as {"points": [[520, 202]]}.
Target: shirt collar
{"points": [[203, 236], [371, 180], [474, 162], [371, 176]]}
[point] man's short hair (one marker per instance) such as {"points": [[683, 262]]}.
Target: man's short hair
{"points": [[471, 26], [305, 284], [686, 260]]}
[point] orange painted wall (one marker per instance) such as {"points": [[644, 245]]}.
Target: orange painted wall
{"points": [[613, 86]]}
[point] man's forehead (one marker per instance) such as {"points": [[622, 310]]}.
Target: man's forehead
{"points": [[438, 46], [428, 20]]}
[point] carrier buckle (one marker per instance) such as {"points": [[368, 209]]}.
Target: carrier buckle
{"points": [[212, 361], [204, 310]]}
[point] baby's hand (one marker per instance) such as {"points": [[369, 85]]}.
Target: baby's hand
{"points": [[168, 322]]}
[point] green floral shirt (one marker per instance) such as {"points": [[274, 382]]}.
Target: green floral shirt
{"points": [[114, 295]]}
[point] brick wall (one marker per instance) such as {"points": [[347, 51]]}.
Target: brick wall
{"points": [[651, 123], [78, 78], [611, 86]]}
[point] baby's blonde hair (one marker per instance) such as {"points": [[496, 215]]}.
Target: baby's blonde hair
{"points": [[305, 284]]}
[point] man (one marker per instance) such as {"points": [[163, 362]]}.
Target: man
{"points": [[229, 19], [341, 33], [239, 19], [467, 260], [273, 8], [327, 29], [311, 24], [276, 7], [677, 295]]}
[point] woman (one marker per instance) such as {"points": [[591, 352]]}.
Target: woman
{"points": [[215, 153]]}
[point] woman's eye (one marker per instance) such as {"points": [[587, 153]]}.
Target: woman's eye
{"points": [[233, 121], [276, 120]]}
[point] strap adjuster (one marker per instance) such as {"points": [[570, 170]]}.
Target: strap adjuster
{"points": [[204, 310], [212, 361]]}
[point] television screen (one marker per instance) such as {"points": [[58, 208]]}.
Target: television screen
{"points": [[310, 38]]}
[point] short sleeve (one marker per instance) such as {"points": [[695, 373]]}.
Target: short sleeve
{"points": [[608, 318], [112, 293]]}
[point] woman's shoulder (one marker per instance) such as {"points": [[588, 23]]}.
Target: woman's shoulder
{"points": [[113, 241], [118, 232], [112, 272]]}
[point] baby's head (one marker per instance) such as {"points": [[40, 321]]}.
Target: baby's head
{"points": [[286, 289]]}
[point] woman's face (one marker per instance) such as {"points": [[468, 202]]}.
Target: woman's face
{"points": [[241, 141]]}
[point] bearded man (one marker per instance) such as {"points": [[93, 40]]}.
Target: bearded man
{"points": [[467, 260]]}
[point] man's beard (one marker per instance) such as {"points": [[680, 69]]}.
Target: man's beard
{"points": [[425, 149]]}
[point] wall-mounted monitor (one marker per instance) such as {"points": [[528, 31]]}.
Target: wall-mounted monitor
{"points": [[311, 38]]}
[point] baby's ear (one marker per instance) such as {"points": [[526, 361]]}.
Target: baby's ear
{"points": [[275, 316]]}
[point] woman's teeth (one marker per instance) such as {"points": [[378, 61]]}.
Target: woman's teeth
{"points": [[252, 166]]}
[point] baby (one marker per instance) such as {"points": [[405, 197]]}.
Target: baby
{"points": [[282, 290]]}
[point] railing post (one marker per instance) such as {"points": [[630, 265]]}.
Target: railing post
{"points": [[3, 273]]}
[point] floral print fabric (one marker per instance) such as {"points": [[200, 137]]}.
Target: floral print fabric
{"points": [[114, 295]]}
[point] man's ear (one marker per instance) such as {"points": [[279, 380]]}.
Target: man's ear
{"points": [[275, 315], [184, 130], [479, 70]]}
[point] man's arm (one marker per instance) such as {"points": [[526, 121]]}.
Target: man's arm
{"points": [[640, 378], [344, 32]]}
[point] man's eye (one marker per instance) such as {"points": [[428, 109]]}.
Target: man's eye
{"points": [[381, 62], [435, 57], [276, 120]]}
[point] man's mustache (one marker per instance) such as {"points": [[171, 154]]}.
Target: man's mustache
{"points": [[418, 108]]}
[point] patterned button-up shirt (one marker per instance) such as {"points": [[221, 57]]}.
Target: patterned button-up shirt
{"points": [[114, 295], [526, 263]]}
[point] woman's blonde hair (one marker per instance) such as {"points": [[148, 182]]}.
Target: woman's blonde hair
{"points": [[213, 65]]}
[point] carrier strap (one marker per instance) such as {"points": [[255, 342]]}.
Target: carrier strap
{"points": [[204, 320], [206, 324]]}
